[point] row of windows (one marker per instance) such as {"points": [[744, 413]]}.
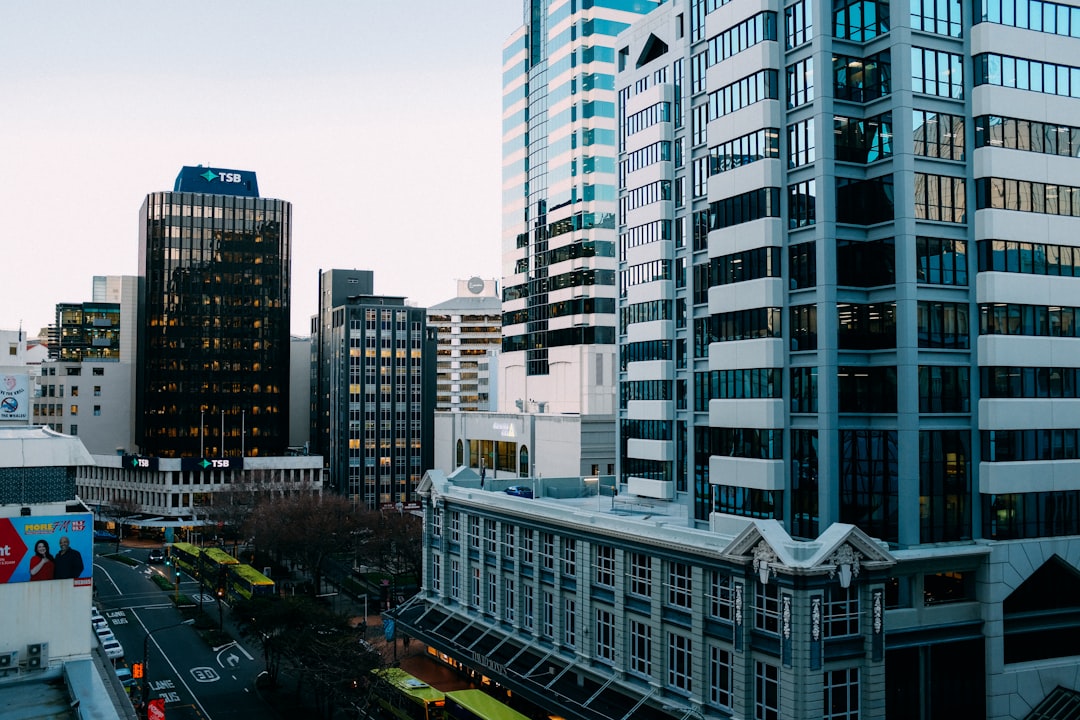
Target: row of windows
{"points": [[1035, 15], [763, 85], [798, 23], [800, 83], [645, 312], [644, 195], [1028, 258], [1031, 135], [760, 145], [646, 430], [646, 156], [938, 135], [644, 351], [1036, 320], [940, 197], [751, 443], [1026, 445], [645, 390], [643, 235], [750, 32], [1024, 74], [660, 112], [644, 273], [755, 383], [1030, 515], [747, 207], [1027, 196], [1007, 382], [575, 278], [762, 262], [738, 325]]}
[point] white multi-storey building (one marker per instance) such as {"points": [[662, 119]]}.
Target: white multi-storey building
{"points": [[468, 331]]}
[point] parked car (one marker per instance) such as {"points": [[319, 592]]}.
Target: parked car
{"points": [[99, 623], [126, 679], [104, 536], [519, 491], [113, 649], [157, 555]]}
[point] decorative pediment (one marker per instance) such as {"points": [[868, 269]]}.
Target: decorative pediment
{"points": [[841, 551]]}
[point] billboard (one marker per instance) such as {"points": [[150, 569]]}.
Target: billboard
{"points": [[15, 397], [47, 547]]}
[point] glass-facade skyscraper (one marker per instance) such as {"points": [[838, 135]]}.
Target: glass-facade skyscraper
{"points": [[559, 179], [214, 262]]}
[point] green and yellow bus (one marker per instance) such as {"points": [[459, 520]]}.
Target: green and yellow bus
{"points": [[185, 556], [477, 705], [407, 697], [246, 582]]}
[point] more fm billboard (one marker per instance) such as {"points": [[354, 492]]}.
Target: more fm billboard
{"points": [[47, 547], [15, 397]]}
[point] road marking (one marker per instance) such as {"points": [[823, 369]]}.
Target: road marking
{"points": [[205, 674], [169, 662]]}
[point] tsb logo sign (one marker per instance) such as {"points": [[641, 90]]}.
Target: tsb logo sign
{"points": [[229, 177]]}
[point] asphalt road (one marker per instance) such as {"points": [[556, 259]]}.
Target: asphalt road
{"points": [[197, 682]]}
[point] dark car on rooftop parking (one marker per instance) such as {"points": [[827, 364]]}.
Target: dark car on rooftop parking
{"points": [[519, 491]]}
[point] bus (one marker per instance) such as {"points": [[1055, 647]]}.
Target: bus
{"points": [[185, 556], [407, 697], [246, 582], [214, 568], [477, 705]]}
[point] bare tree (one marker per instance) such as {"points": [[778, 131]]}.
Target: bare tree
{"points": [[392, 542], [304, 528], [120, 510]]}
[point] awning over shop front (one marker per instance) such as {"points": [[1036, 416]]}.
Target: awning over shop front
{"points": [[541, 676]]}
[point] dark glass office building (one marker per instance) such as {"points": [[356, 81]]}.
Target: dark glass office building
{"points": [[214, 262]]}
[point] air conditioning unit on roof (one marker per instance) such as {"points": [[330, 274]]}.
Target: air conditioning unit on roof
{"points": [[37, 656]]}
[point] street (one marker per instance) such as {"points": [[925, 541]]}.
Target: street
{"points": [[195, 681]]}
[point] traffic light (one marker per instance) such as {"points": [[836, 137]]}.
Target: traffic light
{"points": [[137, 670]]}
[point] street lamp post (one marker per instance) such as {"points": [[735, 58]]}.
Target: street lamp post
{"points": [[146, 653]]}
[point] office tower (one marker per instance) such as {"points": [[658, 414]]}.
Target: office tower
{"points": [[468, 334], [559, 206], [214, 260], [848, 261], [373, 359], [86, 388]]}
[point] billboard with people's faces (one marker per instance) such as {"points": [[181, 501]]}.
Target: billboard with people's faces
{"points": [[47, 547]]}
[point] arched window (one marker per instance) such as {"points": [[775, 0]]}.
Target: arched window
{"points": [[523, 462], [460, 454]]}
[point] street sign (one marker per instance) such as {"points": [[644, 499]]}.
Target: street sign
{"points": [[155, 710]]}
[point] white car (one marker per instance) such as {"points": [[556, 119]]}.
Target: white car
{"points": [[103, 632], [99, 623], [113, 649]]}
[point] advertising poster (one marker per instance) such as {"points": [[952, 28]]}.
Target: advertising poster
{"points": [[47, 547], [15, 397]]}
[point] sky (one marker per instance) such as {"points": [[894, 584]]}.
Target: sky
{"points": [[380, 121]]}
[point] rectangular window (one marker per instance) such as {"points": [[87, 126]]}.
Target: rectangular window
{"points": [[841, 611], [569, 557], [476, 588], [939, 73], [940, 197], [455, 579], [860, 20], [491, 532], [721, 677], [605, 566], [605, 635], [801, 142], [455, 526], [547, 618], [766, 691], [938, 135], [943, 325], [474, 532], [640, 648], [841, 689], [509, 600], [798, 23], [436, 572], [97, 410], [941, 261], [526, 545], [864, 140], [941, 17], [640, 575], [802, 204], [680, 584], [547, 550], [528, 612], [508, 541], [767, 607], [493, 594], [803, 327], [569, 622], [800, 83], [680, 655]]}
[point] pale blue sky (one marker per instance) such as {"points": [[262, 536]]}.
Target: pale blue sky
{"points": [[379, 121]]}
